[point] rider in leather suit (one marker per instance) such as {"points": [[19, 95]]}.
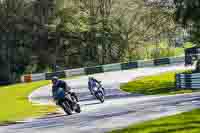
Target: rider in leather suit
{"points": [[62, 84]]}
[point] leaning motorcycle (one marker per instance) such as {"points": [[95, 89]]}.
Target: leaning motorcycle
{"points": [[99, 93], [67, 102]]}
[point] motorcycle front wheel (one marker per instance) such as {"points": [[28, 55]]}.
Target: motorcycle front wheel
{"points": [[100, 96], [78, 108], [66, 107]]}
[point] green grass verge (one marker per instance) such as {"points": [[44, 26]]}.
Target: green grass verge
{"points": [[179, 51], [188, 122], [14, 102], [163, 83]]}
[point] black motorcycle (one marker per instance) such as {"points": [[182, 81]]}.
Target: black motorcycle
{"points": [[98, 92], [66, 101]]}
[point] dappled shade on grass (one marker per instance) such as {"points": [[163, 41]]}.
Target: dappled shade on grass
{"points": [[188, 122]]}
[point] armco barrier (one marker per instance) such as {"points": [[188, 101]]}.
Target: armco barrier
{"points": [[145, 63], [129, 65], [162, 61], [92, 70], [39, 76], [188, 81], [60, 74], [4, 82], [112, 67], [74, 72], [103, 68], [177, 60]]}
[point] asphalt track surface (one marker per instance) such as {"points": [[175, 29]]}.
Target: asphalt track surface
{"points": [[119, 110]]}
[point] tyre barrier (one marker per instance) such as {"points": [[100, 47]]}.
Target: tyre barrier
{"points": [[129, 65], [103, 68], [163, 61], [93, 70], [27, 78], [60, 74], [74, 72], [188, 81], [145, 63], [112, 67], [39, 76], [176, 60]]}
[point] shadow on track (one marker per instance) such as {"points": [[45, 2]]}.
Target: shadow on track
{"points": [[110, 94], [88, 104]]}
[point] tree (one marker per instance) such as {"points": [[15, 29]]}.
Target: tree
{"points": [[139, 24], [20, 33], [77, 33], [91, 21], [188, 15], [10, 12]]}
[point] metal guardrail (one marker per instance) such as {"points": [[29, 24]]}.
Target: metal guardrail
{"points": [[103, 68], [191, 81]]}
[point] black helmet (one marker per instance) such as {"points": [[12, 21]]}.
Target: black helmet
{"points": [[90, 78], [54, 78]]}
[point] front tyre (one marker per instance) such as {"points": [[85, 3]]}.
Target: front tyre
{"points": [[100, 96], [74, 97], [66, 108], [78, 108]]}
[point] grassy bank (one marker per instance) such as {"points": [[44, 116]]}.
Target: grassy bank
{"points": [[182, 123], [157, 84], [14, 103], [162, 84]]}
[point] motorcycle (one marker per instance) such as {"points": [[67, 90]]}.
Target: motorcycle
{"points": [[98, 92], [66, 101]]}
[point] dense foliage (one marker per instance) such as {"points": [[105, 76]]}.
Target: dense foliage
{"points": [[187, 14], [48, 35]]}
